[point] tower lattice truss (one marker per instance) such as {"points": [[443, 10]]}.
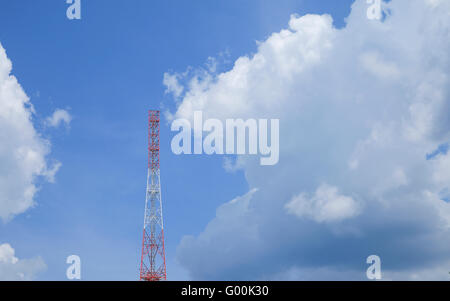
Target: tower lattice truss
{"points": [[153, 261]]}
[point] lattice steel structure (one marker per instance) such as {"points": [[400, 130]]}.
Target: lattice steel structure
{"points": [[153, 260]]}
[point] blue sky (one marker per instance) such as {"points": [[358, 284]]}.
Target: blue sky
{"points": [[107, 70]]}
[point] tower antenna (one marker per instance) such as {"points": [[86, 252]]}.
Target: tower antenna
{"points": [[153, 258]]}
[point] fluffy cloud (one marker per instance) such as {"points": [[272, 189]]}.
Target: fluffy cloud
{"points": [[23, 151], [59, 117], [360, 108], [13, 268], [325, 206]]}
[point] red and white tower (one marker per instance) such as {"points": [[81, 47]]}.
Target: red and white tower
{"points": [[153, 259]]}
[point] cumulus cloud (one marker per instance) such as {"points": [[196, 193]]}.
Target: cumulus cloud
{"points": [[59, 117], [359, 107], [228, 221], [372, 62], [325, 206], [14, 269], [23, 151]]}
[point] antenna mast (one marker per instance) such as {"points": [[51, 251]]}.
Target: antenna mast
{"points": [[153, 259]]}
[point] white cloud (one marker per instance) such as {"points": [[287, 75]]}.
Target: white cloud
{"points": [[7, 254], [23, 151], [251, 86], [59, 117], [373, 63], [13, 268], [172, 84], [359, 107], [325, 206]]}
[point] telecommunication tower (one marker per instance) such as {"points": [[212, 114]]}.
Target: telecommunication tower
{"points": [[153, 259]]}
